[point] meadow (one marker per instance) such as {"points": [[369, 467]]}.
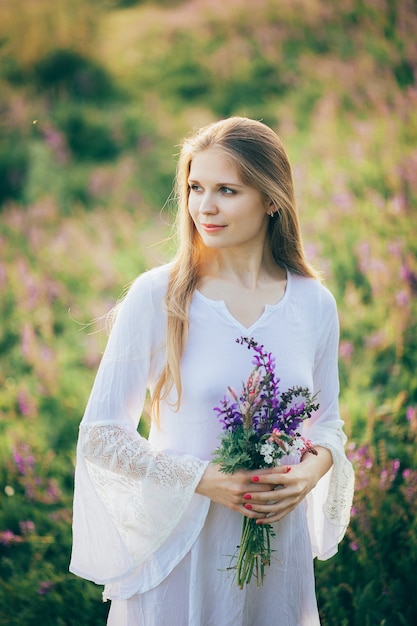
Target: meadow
{"points": [[94, 100]]}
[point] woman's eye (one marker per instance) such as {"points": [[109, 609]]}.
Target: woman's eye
{"points": [[227, 191], [195, 188]]}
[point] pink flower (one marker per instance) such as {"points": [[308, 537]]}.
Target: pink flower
{"points": [[7, 538], [402, 298], [27, 527], [346, 350], [276, 437], [411, 413], [253, 382], [308, 446]]}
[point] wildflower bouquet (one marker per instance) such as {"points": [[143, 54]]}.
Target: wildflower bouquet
{"points": [[260, 426]]}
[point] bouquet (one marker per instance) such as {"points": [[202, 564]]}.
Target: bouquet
{"points": [[260, 426]]}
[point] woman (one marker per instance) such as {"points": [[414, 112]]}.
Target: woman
{"points": [[155, 520]]}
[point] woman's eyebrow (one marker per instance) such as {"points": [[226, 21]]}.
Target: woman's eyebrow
{"points": [[230, 184]]}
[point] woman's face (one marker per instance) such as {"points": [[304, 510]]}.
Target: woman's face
{"points": [[226, 212]]}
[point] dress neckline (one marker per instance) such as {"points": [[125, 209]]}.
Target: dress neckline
{"points": [[222, 307]]}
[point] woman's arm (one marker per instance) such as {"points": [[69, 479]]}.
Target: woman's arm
{"points": [[129, 497]]}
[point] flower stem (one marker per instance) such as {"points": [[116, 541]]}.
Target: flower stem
{"points": [[254, 552]]}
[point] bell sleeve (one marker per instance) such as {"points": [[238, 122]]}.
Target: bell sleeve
{"points": [[128, 497], [329, 503]]}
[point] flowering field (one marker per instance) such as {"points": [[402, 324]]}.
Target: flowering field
{"points": [[89, 127]]}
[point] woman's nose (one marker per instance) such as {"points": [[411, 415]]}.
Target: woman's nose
{"points": [[208, 204]]}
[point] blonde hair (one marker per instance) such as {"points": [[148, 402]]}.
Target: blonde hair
{"points": [[262, 163]]}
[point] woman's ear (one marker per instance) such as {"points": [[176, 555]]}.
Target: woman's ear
{"points": [[271, 208]]}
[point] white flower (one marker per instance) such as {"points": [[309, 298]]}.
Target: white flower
{"points": [[298, 445], [267, 450]]}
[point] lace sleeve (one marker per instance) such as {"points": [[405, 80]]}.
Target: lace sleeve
{"points": [[338, 503], [329, 504], [131, 458], [130, 491]]}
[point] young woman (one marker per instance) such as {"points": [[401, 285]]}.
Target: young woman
{"points": [[155, 520]]}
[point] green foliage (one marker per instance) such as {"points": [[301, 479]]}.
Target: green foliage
{"points": [[13, 167], [238, 450], [95, 98], [67, 73], [383, 521], [87, 136]]}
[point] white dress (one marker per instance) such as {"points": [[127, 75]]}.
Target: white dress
{"points": [[162, 551]]}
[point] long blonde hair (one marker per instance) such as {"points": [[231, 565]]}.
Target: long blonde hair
{"points": [[261, 162]]}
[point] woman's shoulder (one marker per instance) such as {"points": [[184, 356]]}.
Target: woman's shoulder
{"points": [[152, 282], [145, 296], [312, 292]]}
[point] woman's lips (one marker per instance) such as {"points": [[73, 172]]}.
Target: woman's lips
{"points": [[212, 228]]}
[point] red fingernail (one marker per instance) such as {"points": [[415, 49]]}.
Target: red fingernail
{"points": [[255, 479], [247, 496], [288, 469], [248, 506]]}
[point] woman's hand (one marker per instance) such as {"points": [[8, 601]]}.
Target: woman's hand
{"points": [[232, 490], [266, 495], [289, 487]]}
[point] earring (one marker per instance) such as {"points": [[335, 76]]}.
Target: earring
{"points": [[271, 213]]}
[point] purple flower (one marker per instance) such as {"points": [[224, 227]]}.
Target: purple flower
{"points": [[45, 587], [26, 404], [261, 407], [19, 462], [24, 461], [410, 277]]}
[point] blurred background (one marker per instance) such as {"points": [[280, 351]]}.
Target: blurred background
{"points": [[95, 97]]}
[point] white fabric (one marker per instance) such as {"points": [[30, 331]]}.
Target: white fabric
{"points": [[138, 525]]}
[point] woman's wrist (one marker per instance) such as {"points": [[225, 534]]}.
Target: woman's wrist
{"points": [[316, 465], [202, 487]]}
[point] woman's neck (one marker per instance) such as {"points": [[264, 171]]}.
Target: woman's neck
{"points": [[242, 268]]}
